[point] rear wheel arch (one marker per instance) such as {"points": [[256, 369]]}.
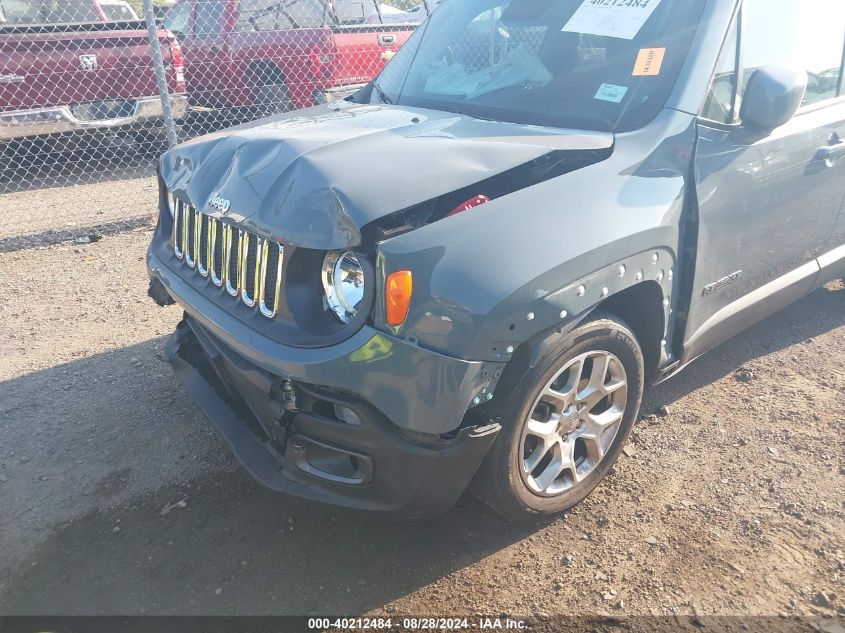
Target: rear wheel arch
{"points": [[264, 71], [270, 91]]}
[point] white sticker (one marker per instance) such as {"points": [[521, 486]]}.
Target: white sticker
{"points": [[611, 18], [612, 93]]}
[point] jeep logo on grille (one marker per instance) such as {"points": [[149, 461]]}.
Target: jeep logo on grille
{"points": [[221, 204], [88, 62]]}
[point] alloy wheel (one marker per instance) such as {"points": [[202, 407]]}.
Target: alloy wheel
{"points": [[573, 423]]}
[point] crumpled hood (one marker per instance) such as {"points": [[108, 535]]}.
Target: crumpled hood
{"points": [[316, 177]]}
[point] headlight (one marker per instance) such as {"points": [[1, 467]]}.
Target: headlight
{"points": [[343, 282]]}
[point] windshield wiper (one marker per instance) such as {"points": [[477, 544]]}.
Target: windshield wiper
{"points": [[381, 93]]}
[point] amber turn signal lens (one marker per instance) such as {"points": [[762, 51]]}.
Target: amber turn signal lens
{"points": [[400, 287]]}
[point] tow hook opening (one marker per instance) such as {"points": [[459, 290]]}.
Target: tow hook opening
{"points": [[159, 294], [329, 462]]}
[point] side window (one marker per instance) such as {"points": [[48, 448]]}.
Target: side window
{"points": [[720, 105], [356, 11], [272, 15], [208, 18], [177, 18], [807, 33]]}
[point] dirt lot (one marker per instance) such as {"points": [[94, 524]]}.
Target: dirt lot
{"points": [[117, 496], [39, 217]]}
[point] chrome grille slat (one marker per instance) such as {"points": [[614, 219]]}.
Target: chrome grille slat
{"points": [[186, 212], [216, 250], [249, 267], [191, 237], [272, 262], [234, 241], [203, 244], [179, 229]]}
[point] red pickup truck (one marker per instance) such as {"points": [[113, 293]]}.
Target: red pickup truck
{"points": [[275, 55], [64, 69]]}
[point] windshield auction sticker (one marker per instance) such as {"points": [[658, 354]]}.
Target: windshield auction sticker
{"points": [[622, 19]]}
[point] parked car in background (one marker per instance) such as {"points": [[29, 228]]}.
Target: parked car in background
{"points": [[117, 10], [275, 56], [65, 69]]}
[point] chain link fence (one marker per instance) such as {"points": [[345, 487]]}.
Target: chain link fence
{"points": [[92, 91]]}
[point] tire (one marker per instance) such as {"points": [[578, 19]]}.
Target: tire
{"points": [[569, 427], [272, 98]]}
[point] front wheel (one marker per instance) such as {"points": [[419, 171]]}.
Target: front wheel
{"points": [[566, 424]]}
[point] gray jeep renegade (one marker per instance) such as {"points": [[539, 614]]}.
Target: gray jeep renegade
{"points": [[465, 274]]}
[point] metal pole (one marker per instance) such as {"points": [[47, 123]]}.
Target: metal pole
{"points": [[161, 78], [428, 8]]}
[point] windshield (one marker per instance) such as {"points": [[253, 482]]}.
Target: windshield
{"points": [[591, 64], [47, 11]]}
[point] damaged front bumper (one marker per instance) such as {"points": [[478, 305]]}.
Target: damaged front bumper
{"points": [[321, 444]]}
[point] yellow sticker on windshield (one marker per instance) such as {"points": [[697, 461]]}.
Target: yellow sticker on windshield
{"points": [[649, 62]]}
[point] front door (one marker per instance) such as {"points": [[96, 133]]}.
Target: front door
{"points": [[767, 202]]}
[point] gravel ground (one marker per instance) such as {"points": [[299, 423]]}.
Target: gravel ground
{"points": [[118, 498], [44, 216]]}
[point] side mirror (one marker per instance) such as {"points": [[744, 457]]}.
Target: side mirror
{"points": [[773, 96]]}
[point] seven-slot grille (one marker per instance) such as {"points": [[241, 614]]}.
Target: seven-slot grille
{"points": [[246, 265]]}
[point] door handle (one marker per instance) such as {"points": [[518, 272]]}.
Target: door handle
{"points": [[386, 40], [833, 151]]}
